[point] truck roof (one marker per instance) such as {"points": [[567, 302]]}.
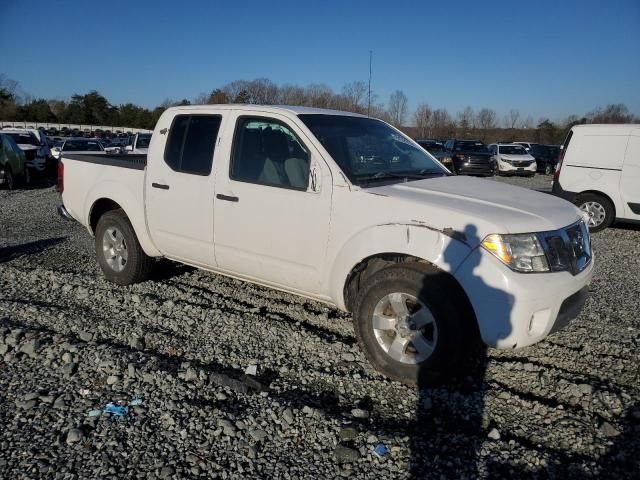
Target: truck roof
{"points": [[296, 110]]}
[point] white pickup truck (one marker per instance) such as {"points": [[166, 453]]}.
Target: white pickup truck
{"points": [[343, 209]]}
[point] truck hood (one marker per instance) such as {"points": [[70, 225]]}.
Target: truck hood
{"points": [[485, 206]]}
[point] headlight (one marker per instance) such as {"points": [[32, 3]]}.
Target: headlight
{"points": [[521, 252]]}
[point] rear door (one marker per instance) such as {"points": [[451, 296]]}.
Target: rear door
{"points": [[179, 188], [273, 204], [630, 177]]}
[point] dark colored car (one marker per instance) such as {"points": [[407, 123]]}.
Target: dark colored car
{"points": [[436, 148], [546, 157], [470, 157]]}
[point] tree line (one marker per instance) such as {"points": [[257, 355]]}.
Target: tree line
{"points": [[424, 122]]}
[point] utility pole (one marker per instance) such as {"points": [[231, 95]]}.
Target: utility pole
{"points": [[369, 99]]}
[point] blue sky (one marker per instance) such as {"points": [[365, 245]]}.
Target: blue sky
{"points": [[545, 58]]}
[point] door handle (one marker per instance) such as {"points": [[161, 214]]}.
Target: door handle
{"points": [[161, 186], [227, 198]]}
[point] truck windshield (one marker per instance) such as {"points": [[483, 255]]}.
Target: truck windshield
{"points": [[368, 150]]}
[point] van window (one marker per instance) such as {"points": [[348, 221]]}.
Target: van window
{"points": [[191, 143]]}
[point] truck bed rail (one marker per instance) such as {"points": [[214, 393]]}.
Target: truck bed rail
{"points": [[125, 160]]}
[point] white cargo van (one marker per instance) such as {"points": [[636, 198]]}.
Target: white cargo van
{"points": [[599, 171]]}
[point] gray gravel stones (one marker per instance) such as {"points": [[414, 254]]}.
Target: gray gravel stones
{"points": [[70, 342]]}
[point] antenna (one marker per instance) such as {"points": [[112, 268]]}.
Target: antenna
{"points": [[369, 99]]}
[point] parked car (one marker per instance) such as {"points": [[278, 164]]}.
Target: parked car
{"points": [[546, 157], [79, 145], [35, 153], [346, 210], [512, 159], [599, 171], [436, 149], [138, 143], [527, 145], [13, 163], [470, 157]]}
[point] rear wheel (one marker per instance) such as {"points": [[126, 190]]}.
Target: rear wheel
{"points": [[600, 210], [410, 324], [119, 253], [9, 179], [548, 169]]}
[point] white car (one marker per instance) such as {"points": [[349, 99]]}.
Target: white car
{"points": [[599, 171], [138, 144], [346, 210], [35, 153], [78, 145], [513, 159], [527, 145]]}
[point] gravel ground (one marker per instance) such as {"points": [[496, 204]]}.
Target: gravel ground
{"points": [[181, 343]]}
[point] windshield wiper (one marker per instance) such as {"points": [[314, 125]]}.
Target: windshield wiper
{"points": [[419, 175]]}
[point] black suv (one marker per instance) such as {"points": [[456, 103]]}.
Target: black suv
{"points": [[546, 157], [470, 157]]}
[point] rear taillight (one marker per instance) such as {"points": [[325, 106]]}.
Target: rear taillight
{"points": [[60, 176], [556, 174]]}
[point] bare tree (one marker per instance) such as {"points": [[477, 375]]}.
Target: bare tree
{"points": [[614, 113], [486, 121], [397, 107], [318, 95], [527, 123], [512, 118], [292, 95], [201, 99], [356, 94], [442, 123], [422, 119], [466, 119]]}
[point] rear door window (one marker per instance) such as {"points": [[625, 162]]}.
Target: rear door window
{"points": [[191, 143]]}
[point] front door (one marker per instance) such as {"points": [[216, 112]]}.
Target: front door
{"points": [[180, 189], [272, 208]]}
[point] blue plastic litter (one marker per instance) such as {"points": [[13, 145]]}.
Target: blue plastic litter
{"points": [[116, 410], [381, 450]]}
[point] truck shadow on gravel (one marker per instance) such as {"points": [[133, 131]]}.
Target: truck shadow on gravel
{"points": [[31, 248], [445, 441]]}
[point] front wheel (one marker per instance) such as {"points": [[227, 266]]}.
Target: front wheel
{"points": [[119, 253], [548, 169], [410, 324], [599, 209]]}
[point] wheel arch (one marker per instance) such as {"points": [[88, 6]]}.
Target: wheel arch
{"points": [[102, 204], [600, 194], [361, 256]]}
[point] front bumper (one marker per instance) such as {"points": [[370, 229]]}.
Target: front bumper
{"points": [[515, 310], [468, 168], [516, 169]]}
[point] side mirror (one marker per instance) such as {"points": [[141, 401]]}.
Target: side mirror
{"points": [[129, 148]]}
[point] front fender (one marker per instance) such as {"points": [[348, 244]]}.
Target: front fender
{"points": [[436, 247], [132, 204]]}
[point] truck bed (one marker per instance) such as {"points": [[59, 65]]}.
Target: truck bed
{"points": [[89, 177]]}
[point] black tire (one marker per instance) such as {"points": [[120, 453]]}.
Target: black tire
{"points": [[604, 202], [9, 179], [138, 264], [548, 169], [435, 290]]}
